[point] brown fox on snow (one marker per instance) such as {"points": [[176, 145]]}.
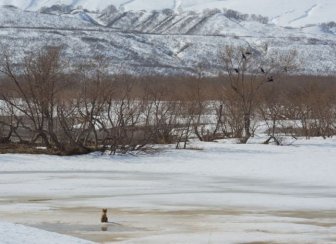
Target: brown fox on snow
{"points": [[104, 218]]}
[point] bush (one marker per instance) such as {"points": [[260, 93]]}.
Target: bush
{"points": [[235, 15], [329, 27]]}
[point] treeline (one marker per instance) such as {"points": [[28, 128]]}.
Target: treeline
{"points": [[73, 109]]}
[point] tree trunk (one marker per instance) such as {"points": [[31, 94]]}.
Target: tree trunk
{"points": [[247, 132]]}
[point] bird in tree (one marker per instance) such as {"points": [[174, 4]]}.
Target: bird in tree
{"points": [[262, 70]]}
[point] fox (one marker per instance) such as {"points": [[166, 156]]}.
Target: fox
{"points": [[104, 218]]}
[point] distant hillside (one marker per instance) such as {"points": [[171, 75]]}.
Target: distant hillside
{"points": [[280, 12]]}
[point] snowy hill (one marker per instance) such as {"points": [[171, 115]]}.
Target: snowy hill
{"points": [[162, 42], [280, 12], [166, 41]]}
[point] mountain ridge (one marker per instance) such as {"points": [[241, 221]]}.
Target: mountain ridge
{"points": [[280, 12], [169, 44]]}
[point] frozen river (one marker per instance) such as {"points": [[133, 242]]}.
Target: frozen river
{"points": [[224, 193]]}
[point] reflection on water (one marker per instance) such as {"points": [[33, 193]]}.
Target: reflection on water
{"points": [[65, 228]]}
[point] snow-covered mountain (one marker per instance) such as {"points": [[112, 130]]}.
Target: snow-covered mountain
{"points": [[282, 12], [166, 41]]}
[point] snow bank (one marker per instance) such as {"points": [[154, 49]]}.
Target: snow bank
{"points": [[301, 176], [14, 234]]}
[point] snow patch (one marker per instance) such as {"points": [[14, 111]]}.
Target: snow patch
{"points": [[14, 234]]}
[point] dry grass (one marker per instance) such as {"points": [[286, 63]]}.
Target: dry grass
{"points": [[22, 149]]}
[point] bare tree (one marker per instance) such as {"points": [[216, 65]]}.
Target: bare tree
{"points": [[35, 92], [272, 110], [248, 70]]}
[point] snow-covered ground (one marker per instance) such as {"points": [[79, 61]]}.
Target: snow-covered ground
{"points": [[14, 234], [217, 193], [281, 12]]}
